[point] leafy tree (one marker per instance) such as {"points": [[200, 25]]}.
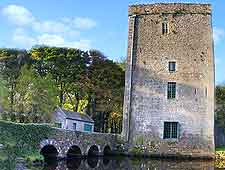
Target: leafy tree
{"points": [[66, 65], [220, 105], [107, 79], [35, 96], [11, 61], [74, 79]]}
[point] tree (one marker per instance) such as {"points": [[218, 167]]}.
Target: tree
{"points": [[11, 61], [35, 96], [220, 105], [3, 98], [66, 65], [107, 79]]}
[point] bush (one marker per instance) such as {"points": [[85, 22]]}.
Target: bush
{"points": [[22, 140]]}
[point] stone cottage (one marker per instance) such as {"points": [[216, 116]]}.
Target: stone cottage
{"points": [[73, 120], [169, 88]]}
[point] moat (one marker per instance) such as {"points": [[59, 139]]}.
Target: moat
{"points": [[115, 163]]}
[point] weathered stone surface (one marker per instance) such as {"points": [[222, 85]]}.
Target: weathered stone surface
{"points": [[189, 43], [63, 140]]}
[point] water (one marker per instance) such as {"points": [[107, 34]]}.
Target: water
{"points": [[128, 164]]}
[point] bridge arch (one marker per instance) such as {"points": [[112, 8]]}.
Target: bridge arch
{"points": [[74, 151], [93, 150], [107, 150], [51, 142], [49, 151]]}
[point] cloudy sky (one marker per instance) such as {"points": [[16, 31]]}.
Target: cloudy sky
{"points": [[85, 24]]}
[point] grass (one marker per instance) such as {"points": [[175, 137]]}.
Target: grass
{"points": [[220, 148]]}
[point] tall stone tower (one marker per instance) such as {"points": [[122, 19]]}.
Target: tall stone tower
{"points": [[169, 90]]}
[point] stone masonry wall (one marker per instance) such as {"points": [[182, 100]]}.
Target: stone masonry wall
{"points": [[190, 44], [63, 140]]}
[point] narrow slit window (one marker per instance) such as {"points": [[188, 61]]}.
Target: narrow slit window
{"points": [[206, 92], [195, 91], [165, 27], [171, 90]]}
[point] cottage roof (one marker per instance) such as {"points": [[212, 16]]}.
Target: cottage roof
{"points": [[76, 116]]}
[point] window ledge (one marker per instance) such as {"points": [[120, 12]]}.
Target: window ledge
{"points": [[171, 139]]}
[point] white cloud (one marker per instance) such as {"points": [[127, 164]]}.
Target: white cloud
{"points": [[20, 38], [48, 32], [80, 22], [57, 40], [21, 16], [18, 15], [54, 27], [218, 34]]}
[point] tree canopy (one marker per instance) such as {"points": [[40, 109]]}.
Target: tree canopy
{"points": [[35, 82]]}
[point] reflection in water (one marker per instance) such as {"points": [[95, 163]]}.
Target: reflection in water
{"points": [[73, 164], [50, 165], [92, 162], [106, 160], [115, 163]]}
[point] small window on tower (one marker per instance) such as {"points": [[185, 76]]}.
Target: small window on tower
{"points": [[172, 66], [170, 130], [171, 90], [165, 26]]}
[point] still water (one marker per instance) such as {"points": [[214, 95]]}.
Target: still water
{"points": [[128, 164]]}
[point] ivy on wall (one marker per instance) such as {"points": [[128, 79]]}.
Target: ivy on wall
{"points": [[22, 140]]}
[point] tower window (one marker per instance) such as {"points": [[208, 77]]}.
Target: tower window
{"points": [[171, 90], [170, 130], [165, 26], [172, 66]]}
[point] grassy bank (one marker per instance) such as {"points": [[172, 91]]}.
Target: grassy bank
{"points": [[22, 140]]}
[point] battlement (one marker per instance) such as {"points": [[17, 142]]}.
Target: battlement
{"points": [[173, 8]]}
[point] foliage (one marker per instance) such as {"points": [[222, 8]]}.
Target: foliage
{"points": [[22, 140], [11, 61], [220, 157], [84, 81], [220, 105]]}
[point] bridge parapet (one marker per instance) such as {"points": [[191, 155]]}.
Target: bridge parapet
{"points": [[63, 140]]}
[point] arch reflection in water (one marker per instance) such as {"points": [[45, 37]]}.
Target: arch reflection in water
{"points": [[73, 164], [132, 164], [74, 152], [51, 166], [49, 152], [92, 162], [106, 161]]}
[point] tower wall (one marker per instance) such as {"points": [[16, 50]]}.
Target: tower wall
{"points": [[189, 43]]}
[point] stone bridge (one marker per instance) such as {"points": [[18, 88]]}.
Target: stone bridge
{"points": [[67, 143]]}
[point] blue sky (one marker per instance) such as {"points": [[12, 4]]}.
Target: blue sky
{"points": [[98, 24]]}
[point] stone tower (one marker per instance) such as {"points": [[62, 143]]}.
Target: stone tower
{"points": [[169, 90]]}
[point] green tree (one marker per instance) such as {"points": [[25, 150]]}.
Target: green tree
{"points": [[11, 61], [107, 79], [35, 96], [66, 65], [220, 105]]}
